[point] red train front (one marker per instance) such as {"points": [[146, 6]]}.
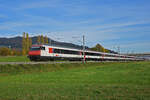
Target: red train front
{"points": [[35, 52]]}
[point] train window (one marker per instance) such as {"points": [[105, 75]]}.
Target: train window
{"points": [[56, 50], [69, 52], [62, 51], [34, 48], [92, 54]]}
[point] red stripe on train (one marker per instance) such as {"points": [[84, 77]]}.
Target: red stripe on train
{"points": [[33, 53]]}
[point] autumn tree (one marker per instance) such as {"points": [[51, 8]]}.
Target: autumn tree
{"points": [[24, 44], [15, 52], [42, 40], [46, 40], [27, 43], [4, 51], [107, 51], [39, 39], [99, 48]]}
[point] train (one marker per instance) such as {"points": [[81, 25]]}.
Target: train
{"points": [[52, 53]]}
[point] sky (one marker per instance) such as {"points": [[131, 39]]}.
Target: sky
{"points": [[112, 23]]}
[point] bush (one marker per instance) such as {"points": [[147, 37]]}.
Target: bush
{"points": [[4, 51]]}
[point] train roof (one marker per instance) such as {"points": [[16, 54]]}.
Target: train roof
{"points": [[76, 49]]}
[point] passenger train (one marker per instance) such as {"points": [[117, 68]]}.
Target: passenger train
{"points": [[51, 53]]}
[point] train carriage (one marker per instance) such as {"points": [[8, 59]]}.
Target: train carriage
{"points": [[51, 53]]}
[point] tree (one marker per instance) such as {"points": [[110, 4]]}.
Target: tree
{"points": [[42, 40], [99, 48], [46, 40], [39, 39], [16, 52], [23, 44], [12, 52], [4, 51], [107, 51], [27, 43]]}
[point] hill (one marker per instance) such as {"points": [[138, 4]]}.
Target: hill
{"points": [[16, 42]]}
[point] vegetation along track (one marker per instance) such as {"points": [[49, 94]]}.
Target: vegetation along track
{"points": [[53, 62]]}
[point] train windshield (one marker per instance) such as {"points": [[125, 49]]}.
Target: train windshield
{"points": [[35, 48]]}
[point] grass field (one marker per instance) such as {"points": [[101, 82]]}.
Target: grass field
{"points": [[92, 81], [14, 59]]}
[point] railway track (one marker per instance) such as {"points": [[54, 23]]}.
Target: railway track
{"points": [[55, 62], [34, 63]]}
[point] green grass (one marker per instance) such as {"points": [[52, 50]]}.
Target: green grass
{"points": [[92, 81], [14, 59]]}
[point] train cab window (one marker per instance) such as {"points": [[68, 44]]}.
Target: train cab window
{"points": [[34, 48]]}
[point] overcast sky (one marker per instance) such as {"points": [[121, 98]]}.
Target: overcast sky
{"points": [[112, 23]]}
